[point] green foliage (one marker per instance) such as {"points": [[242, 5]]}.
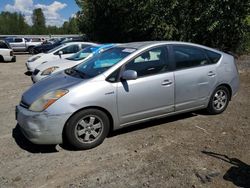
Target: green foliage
{"points": [[216, 23], [14, 24], [38, 20], [71, 26]]}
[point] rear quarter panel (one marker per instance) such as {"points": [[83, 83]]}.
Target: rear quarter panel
{"points": [[227, 73]]}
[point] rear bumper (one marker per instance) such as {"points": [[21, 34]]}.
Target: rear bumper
{"points": [[36, 78], [41, 127], [13, 59], [10, 58]]}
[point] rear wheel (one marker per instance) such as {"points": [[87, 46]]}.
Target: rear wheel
{"points": [[31, 50], [87, 129], [1, 59], [219, 100]]}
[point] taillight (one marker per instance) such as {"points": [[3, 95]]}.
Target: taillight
{"points": [[11, 53], [235, 63]]}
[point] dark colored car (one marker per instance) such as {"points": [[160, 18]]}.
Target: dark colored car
{"points": [[48, 46]]}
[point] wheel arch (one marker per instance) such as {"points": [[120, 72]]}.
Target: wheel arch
{"points": [[1, 58], [30, 47], [92, 107], [228, 87]]}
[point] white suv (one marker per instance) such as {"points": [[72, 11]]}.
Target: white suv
{"points": [[6, 52]]}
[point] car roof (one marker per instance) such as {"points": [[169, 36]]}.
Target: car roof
{"points": [[74, 42], [141, 45]]}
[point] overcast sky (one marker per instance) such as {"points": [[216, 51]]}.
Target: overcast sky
{"points": [[55, 11]]}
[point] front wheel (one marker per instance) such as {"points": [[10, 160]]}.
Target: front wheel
{"points": [[219, 100], [87, 129]]}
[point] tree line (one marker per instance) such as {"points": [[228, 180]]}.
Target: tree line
{"points": [[222, 24], [14, 23]]}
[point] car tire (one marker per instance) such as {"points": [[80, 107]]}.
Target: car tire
{"points": [[219, 100], [31, 50], [1, 59], [87, 129]]}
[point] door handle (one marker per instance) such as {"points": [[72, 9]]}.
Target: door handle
{"points": [[211, 73], [166, 82]]}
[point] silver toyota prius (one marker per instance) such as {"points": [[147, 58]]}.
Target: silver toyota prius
{"points": [[124, 85]]}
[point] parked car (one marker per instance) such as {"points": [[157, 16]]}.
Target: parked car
{"points": [[17, 44], [22, 44], [60, 52], [46, 46], [44, 70], [6, 52], [32, 43], [125, 85], [52, 43]]}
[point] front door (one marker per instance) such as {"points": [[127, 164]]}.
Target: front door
{"points": [[152, 93]]}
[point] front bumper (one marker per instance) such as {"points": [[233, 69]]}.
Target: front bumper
{"points": [[29, 68], [41, 127], [36, 78]]}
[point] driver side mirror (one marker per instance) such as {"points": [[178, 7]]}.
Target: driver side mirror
{"points": [[129, 75], [60, 53]]}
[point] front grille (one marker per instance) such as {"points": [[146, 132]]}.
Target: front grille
{"points": [[36, 71]]}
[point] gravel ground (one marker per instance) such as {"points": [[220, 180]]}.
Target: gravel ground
{"points": [[188, 150]]}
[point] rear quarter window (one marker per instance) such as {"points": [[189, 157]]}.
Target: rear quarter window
{"points": [[213, 56]]}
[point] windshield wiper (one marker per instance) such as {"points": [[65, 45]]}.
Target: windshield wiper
{"points": [[80, 73]]}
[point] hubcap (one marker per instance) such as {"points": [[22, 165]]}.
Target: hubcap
{"points": [[88, 129], [220, 100]]}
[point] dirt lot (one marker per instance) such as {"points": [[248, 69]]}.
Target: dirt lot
{"points": [[182, 151]]}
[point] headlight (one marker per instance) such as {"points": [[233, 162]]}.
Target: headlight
{"points": [[46, 100], [48, 71], [34, 59]]}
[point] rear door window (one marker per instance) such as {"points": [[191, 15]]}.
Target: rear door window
{"points": [[84, 46], [70, 49], [187, 56]]}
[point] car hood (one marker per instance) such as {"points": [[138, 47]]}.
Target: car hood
{"points": [[32, 57], [55, 63], [52, 83]]}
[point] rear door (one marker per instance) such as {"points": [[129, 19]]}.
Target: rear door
{"points": [[152, 93], [195, 77]]}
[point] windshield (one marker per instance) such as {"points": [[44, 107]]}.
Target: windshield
{"points": [[101, 62], [54, 49], [82, 54]]}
